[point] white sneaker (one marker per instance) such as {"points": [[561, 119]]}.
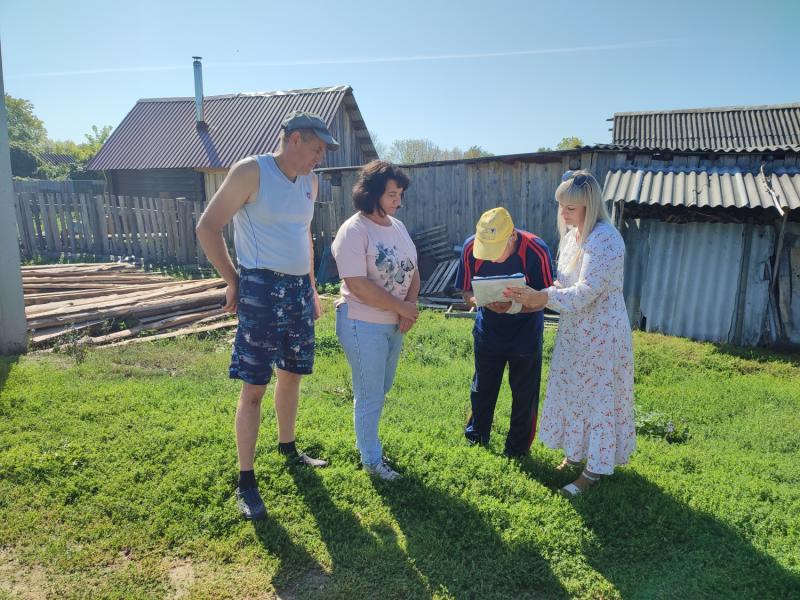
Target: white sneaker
{"points": [[382, 470]]}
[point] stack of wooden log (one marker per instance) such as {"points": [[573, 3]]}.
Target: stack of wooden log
{"points": [[105, 303]]}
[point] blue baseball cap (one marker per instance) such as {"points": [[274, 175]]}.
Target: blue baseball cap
{"points": [[299, 119]]}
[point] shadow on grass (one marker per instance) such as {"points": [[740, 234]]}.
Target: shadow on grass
{"points": [[788, 355], [459, 552], [650, 545], [366, 562], [295, 561], [6, 364]]}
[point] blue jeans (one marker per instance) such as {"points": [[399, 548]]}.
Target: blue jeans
{"points": [[372, 349]]}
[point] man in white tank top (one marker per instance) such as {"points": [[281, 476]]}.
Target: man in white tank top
{"points": [[270, 200]]}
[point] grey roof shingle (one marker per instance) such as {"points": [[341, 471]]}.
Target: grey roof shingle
{"points": [[731, 129], [697, 187], [161, 133]]}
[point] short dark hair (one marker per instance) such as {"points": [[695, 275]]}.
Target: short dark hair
{"points": [[305, 134], [371, 184]]}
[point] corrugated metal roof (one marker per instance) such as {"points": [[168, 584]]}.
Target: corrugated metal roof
{"points": [[732, 129], [55, 159], [726, 188], [161, 133]]}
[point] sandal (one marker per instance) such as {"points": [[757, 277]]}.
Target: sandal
{"points": [[571, 490]]}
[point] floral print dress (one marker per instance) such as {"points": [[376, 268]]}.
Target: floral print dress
{"points": [[588, 407]]}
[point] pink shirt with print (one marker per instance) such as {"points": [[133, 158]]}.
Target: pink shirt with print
{"points": [[384, 254]]}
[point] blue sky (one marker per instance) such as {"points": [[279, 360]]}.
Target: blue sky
{"points": [[509, 76]]}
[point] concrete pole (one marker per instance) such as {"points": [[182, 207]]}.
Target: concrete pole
{"points": [[13, 329]]}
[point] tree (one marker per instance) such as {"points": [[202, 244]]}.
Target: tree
{"points": [[476, 152], [24, 163], [418, 150], [28, 140], [25, 129], [570, 143], [380, 147], [96, 138]]}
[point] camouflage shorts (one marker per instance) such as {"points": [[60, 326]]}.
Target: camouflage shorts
{"points": [[276, 326]]}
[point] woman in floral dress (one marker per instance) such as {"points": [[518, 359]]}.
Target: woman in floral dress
{"points": [[588, 407]]}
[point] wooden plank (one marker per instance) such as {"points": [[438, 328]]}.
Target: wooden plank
{"points": [[197, 211], [27, 215], [140, 309], [75, 270], [76, 306], [89, 241], [186, 238], [100, 203], [155, 233], [144, 251], [179, 247], [52, 212], [77, 221], [435, 276], [178, 333], [113, 224], [61, 216], [27, 229], [52, 334], [175, 313], [126, 212], [46, 243], [172, 223], [36, 215], [127, 249], [52, 222], [449, 275], [55, 287], [68, 267], [21, 226], [431, 230], [136, 228], [435, 285], [167, 323], [134, 277], [160, 225], [69, 222], [52, 297]]}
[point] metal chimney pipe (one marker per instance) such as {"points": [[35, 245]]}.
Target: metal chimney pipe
{"points": [[198, 89]]}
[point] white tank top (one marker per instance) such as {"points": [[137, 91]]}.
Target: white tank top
{"points": [[272, 231]]}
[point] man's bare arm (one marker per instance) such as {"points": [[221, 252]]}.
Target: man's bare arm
{"points": [[238, 187]]}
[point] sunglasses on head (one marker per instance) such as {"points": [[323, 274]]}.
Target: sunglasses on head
{"points": [[577, 180]]}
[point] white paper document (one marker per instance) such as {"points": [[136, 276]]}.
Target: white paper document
{"points": [[490, 289]]}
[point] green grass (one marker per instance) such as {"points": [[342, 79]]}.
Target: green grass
{"points": [[116, 481]]}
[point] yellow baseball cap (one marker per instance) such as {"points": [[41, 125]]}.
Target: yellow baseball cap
{"points": [[491, 234]]}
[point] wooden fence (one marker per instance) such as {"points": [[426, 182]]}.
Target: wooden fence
{"points": [[156, 230]]}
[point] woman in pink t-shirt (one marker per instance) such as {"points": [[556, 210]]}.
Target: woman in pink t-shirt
{"points": [[377, 262]]}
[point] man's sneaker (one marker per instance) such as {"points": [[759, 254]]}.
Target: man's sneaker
{"points": [[474, 441], [250, 504], [382, 470], [301, 458]]}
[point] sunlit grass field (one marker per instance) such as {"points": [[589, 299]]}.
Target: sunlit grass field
{"points": [[117, 476]]}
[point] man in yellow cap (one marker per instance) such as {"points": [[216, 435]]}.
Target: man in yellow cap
{"points": [[505, 333]]}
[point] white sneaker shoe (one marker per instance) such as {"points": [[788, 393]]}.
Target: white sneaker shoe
{"points": [[382, 470]]}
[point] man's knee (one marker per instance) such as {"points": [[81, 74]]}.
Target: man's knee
{"points": [[252, 394], [287, 378]]}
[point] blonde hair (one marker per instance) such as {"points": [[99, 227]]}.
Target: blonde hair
{"points": [[587, 194]]}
